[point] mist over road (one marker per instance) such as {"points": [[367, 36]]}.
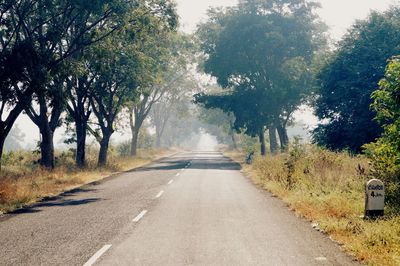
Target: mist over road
{"points": [[194, 208]]}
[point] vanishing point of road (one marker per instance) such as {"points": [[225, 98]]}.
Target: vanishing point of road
{"points": [[194, 208]]}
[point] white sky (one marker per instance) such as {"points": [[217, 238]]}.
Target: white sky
{"points": [[338, 14]]}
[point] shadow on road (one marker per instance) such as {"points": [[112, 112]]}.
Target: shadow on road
{"points": [[219, 163], [58, 201]]}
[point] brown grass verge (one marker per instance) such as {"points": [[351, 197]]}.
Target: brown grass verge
{"points": [[21, 185], [327, 189]]}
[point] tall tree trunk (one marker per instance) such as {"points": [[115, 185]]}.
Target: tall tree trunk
{"points": [[47, 126], [233, 140], [273, 143], [283, 137], [103, 153], [47, 146], [232, 133], [262, 142], [158, 140], [135, 122], [80, 156], [134, 141], [79, 109]]}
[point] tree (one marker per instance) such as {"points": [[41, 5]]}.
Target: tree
{"points": [[183, 127], [385, 152], [17, 57], [167, 75], [80, 84], [79, 89], [262, 49], [178, 91], [115, 64], [245, 106], [41, 36], [124, 67], [348, 79]]}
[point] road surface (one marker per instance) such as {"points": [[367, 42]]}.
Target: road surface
{"points": [[191, 209]]}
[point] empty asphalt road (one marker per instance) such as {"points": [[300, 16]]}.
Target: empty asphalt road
{"points": [[191, 209]]}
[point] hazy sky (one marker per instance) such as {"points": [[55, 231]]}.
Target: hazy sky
{"points": [[338, 14]]}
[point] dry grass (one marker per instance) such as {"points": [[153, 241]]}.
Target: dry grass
{"points": [[23, 183], [328, 188]]}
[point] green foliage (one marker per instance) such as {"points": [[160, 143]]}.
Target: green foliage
{"points": [[385, 153], [261, 51], [348, 79], [73, 51], [36, 57]]}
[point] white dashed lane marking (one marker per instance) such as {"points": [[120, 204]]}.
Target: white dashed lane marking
{"points": [[140, 216], [170, 182], [97, 255], [160, 194]]}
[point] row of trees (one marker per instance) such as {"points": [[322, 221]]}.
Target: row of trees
{"points": [[261, 52], [83, 63]]}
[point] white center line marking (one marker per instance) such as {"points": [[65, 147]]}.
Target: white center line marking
{"points": [[321, 259], [96, 256], [183, 169], [170, 182], [160, 194], [177, 174], [140, 216]]}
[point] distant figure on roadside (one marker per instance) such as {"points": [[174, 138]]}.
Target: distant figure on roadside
{"points": [[249, 157]]}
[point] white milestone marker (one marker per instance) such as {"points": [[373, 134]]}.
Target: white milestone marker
{"points": [[374, 198]]}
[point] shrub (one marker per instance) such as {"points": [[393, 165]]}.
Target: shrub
{"points": [[124, 148], [385, 152]]}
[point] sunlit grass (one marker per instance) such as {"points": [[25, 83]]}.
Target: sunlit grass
{"points": [[327, 188]]}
